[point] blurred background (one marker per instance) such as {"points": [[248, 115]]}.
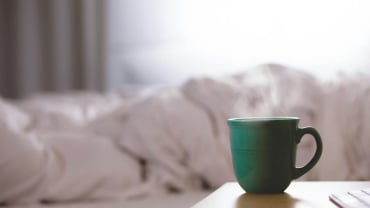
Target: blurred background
{"points": [[64, 45]]}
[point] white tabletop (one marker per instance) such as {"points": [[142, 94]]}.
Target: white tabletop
{"points": [[298, 195]]}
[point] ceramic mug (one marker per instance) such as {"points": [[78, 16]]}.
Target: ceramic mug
{"points": [[264, 152]]}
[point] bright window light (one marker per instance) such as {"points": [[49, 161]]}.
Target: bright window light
{"points": [[190, 37]]}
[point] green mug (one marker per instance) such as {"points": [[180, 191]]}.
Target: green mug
{"points": [[264, 152]]}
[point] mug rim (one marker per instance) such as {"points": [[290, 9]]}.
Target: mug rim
{"points": [[249, 120]]}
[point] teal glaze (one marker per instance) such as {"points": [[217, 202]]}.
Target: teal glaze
{"points": [[264, 152]]}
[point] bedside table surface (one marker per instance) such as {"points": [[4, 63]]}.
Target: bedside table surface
{"points": [[297, 195]]}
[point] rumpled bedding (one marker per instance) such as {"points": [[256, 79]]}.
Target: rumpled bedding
{"points": [[127, 144]]}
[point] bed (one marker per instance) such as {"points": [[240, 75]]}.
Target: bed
{"points": [[169, 145]]}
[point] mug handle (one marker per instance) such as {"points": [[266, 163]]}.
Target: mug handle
{"points": [[298, 172]]}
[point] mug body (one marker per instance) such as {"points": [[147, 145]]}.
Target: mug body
{"points": [[263, 152]]}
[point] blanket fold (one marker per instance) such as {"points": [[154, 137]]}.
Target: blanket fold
{"points": [[120, 146]]}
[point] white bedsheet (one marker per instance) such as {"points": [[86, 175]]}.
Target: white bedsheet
{"points": [[182, 200], [124, 145]]}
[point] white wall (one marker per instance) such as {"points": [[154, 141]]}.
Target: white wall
{"points": [[164, 41]]}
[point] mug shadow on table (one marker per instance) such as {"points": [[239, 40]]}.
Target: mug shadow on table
{"points": [[266, 200]]}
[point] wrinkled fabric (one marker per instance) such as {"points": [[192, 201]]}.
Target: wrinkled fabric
{"points": [[127, 144]]}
